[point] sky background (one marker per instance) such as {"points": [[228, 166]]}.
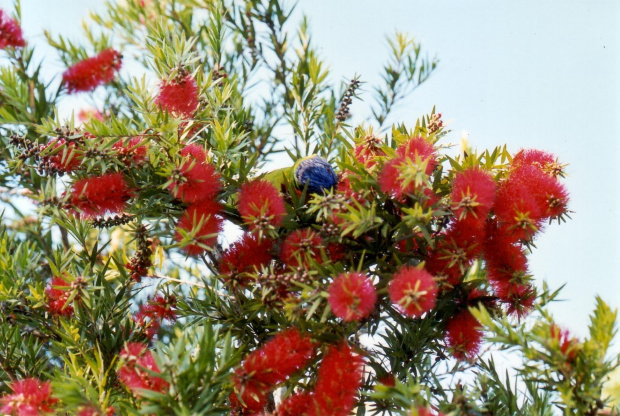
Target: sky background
{"points": [[523, 73]]}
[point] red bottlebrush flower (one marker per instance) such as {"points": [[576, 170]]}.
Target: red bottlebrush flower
{"points": [[473, 195], [131, 151], [527, 197], [544, 161], [419, 147], [368, 149], [339, 378], [463, 335], [413, 290], [561, 339], [261, 206], [178, 96], [10, 32], [394, 181], [92, 72], [87, 114], [196, 179], [30, 397], [408, 245], [66, 159], [136, 360], [300, 247], [345, 188], [244, 257], [518, 298], [251, 400], [505, 260], [156, 310], [204, 216], [336, 252], [446, 274], [387, 380], [58, 294], [454, 254], [99, 195], [352, 296], [268, 366], [552, 197], [298, 404]]}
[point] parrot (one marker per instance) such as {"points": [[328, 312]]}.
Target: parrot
{"points": [[312, 170]]}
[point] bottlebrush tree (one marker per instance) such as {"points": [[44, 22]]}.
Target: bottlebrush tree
{"points": [[163, 267]]}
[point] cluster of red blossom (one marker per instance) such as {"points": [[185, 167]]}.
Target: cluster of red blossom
{"points": [[197, 183], [138, 366], [92, 72], [85, 75], [32, 397], [10, 32], [154, 311], [60, 295], [338, 379], [561, 340], [492, 220]]}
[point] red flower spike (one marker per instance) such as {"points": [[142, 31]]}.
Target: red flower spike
{"points": [[179, 96], [544, 161], [367, 151], [336, 251], [268, 366], [196, 180], [526, 198], [204, 215], [417, 149], [245, 256], [420, 147], [339, 378], [253, 399], [10, 32], [92, 72], [300, 246], [413, 290], [463, 335], [156, 310], [505, 260], [298, 404], [473, 195], [99, 195], [87, 114], [387, 380], [352, 296], [66, 159], [454, 254], [30, 397], [58, 294], [136, 358], [552, 198], [518, 298], [261, 206], [561, 339], [130, 150], [447, 276]]}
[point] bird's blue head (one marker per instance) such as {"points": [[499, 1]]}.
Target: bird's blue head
{"points": [[316, 172]]}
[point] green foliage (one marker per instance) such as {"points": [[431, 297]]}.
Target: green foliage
{"points": [[263, 92]]}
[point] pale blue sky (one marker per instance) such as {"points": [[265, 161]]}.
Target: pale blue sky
{"points": [[541, 74]]}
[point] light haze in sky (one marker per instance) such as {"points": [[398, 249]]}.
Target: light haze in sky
{"points": [[525, 73]]}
